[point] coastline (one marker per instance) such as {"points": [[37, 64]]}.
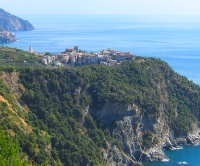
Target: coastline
{"points": [[93, 35], [191, 139], [158, 153], [188, 155]]}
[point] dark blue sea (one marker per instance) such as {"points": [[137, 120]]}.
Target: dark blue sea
{"points": [[175, 39], [188, 156]]}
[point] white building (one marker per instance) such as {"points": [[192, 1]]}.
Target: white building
{"points": [[31, 49]]}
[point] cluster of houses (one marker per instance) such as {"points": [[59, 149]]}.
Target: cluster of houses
{"points": [[6, 36], [6, 33], [75, 56]]}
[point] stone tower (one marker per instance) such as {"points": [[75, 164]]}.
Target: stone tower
{"points": [[31, 49]]}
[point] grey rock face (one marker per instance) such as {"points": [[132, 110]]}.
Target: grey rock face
{"points": [[128, 125], [115, 157]]}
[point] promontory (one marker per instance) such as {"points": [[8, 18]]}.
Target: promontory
{"points": [[9, 22], [93, 115]]}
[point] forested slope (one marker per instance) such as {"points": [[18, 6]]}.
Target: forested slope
{"points": [[100, 115]]}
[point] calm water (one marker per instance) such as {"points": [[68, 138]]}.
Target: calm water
{"points": [[190, 155], [173, 39]]}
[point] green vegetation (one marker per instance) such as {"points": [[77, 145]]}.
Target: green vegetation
{"points": [[57, 108], [62, 132], [57, 99], [12, 58], [11, 120], [149, 140], [10, 152]]}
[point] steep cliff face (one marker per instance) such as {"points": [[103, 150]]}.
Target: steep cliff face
{"points": [[129, 126], [11, 22], [141, 137]]}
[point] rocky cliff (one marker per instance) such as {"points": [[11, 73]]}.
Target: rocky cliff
{"points": [[143, 138], [11, 22]]}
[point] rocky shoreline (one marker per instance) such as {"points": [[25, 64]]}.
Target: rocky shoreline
{"points": [[157, 153], [129, 131]]}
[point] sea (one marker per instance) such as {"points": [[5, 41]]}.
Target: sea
{"points": [[172, 38]]}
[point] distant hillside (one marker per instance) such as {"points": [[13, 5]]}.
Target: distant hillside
{"points": [[11, 22]]}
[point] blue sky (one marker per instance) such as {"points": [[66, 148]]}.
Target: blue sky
{"points": [[184, 7]]}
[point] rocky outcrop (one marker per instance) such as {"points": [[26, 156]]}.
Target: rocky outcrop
{"points": [[11, 22], [115, 157], [129, 125], [12, 81]]}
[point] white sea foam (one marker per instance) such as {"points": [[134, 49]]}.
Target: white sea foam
{"points": [[177, 148], [183, 163], [165, 160]]}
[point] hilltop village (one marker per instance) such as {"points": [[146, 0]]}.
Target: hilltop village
{"points": [[75, 56]]}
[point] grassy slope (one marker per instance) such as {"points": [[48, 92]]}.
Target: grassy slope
{"points": [[16, 58]]}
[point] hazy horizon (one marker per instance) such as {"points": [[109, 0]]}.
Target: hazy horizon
{"points": [[97, 7]]}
